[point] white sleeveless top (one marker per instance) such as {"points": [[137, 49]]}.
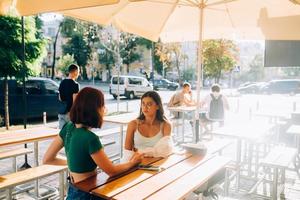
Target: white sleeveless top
{"points": [[142, 142]]}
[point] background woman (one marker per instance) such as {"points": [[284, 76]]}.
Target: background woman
{"points": [[145, 132]]}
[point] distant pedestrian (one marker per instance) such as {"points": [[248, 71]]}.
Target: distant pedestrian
{"points": [[216, 104], [68, 90]]}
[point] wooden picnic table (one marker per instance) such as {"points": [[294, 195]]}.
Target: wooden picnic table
{"points": [[295, 130], [122, 120], [250, 132], [185, 110], [16, 137], [180, 174]]}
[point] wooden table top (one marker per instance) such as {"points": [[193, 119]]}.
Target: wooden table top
{"points": [[251, 131], [182, 108], [122, 118], [143, 184], [294, 129], [27, 135]]}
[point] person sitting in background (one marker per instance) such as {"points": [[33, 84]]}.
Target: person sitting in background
{"points": [[216, 104], [182, 98], [150, 132], [83, 148]]}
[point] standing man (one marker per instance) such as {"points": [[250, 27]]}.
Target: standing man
{"points": [[68, 90]]}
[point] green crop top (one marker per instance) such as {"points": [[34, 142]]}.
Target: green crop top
{"points": [[79, 144]]}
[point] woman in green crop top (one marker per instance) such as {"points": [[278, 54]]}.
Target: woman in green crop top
{"points": [[83, 148]]}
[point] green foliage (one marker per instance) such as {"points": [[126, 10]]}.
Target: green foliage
{"points": [[11, 51], [291, 71], [189, 74], [218, 56], [64, 62], [170, 54], [81, 51], [256, 72], [128, 50], [69, 27]]}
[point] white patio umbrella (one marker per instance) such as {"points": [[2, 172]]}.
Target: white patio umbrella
{"points": [[192, 20], [31, 7]]}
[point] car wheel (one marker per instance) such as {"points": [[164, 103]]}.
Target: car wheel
{"points": [[131, 95], [115, 96], [173, 88]]}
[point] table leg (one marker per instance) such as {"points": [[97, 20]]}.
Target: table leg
{"points": [[121, 140], [250, 154], [183, 118], [61, 185], [274, 188], [238, 161], [193, 128], [36, 153]]}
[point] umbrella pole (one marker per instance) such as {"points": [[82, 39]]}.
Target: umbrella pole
{"points": [[199, 71], [25, 165]]}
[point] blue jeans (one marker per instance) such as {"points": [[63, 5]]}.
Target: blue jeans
{"points": [[76, 194], [63, 119]]}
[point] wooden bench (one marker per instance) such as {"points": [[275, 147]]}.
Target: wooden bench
{"points": [[279, 158], [107, 132], [13, 153], [8, 182]]}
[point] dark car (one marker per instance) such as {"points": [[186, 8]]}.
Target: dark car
{"points": [[253, 88], [41, 94], [287, 86], [164, 84]]}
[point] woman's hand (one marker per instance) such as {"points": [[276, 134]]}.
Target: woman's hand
{"points": [[136, 158]]}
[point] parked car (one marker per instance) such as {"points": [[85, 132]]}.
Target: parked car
{"points": [[41, 96], [286, 86], [253, 88], [164, 84], [129, 86]]}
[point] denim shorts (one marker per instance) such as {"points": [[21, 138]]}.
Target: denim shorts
{"points": [[76, 194]]}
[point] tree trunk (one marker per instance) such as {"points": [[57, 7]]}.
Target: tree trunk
{"points": [[179, 72], [54, 51], [6, 108]]}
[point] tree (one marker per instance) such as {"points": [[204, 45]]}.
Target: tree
{"points": [[64, 62], [291, 71], [119, 44], [107, 59], [169, 54], [256, 72], [11, 51], [81, 51], [218, 56]]}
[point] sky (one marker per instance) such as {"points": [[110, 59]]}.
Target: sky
{"points": [[51, 16]]}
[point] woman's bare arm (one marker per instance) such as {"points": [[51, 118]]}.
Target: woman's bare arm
{"points": [[50, 156], [109, 168], [129, 142]]}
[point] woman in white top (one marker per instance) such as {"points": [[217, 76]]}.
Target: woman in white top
{"points": [[151, 125]]}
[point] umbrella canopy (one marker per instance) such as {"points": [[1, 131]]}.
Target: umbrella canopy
{"points": [[178, 20], [195, 20], [31, 7]]}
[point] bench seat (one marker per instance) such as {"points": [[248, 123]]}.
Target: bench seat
{"points": [[13, 153], [9, 181]]}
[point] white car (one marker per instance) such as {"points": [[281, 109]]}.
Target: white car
{"points": [[129, 86]]}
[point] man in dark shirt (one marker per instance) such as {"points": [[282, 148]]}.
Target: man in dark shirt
{"points": [[68, 90]]}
